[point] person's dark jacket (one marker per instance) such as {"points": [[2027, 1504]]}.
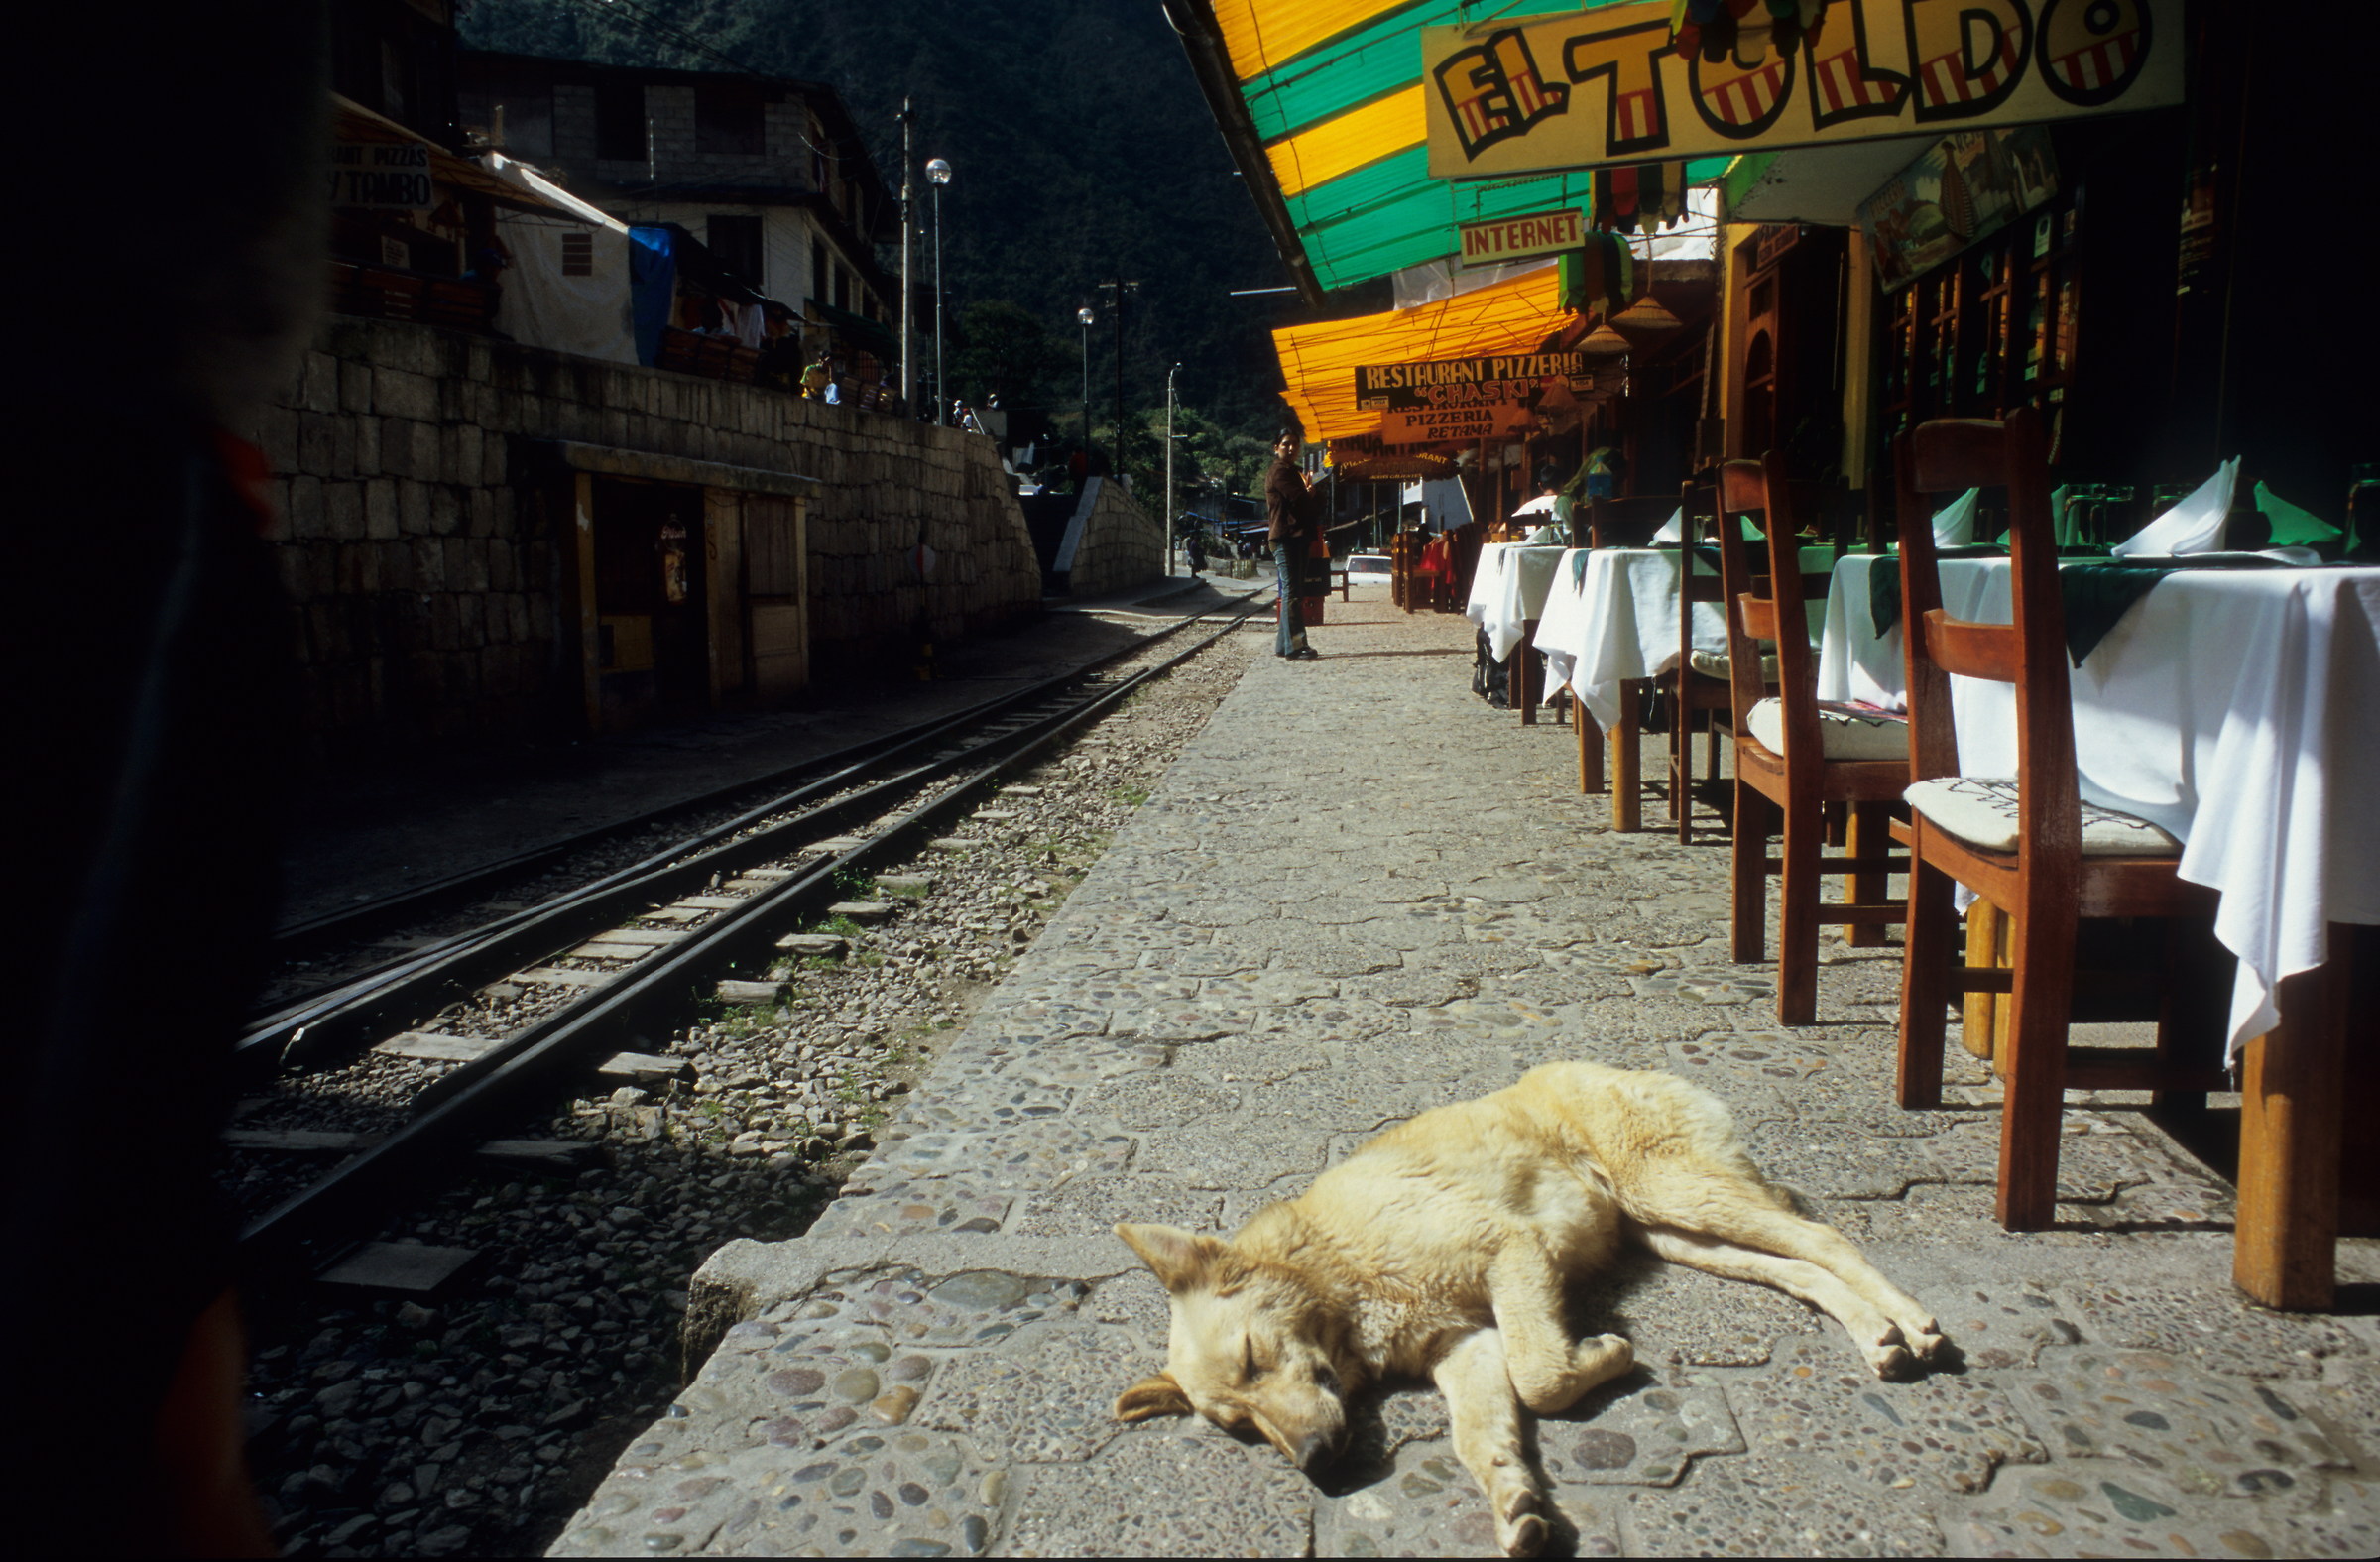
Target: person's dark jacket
{"points": [[1289, 504]]}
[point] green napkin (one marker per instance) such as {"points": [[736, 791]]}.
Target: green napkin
{"points": [[2292, 526]]}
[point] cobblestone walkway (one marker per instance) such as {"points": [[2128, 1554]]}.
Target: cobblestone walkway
{"points": [[1360, 894]]}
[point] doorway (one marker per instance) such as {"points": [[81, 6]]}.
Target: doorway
{"points": [[650, 606]]}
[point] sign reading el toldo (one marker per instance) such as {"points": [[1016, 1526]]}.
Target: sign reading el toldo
{"points": [[1507, 239], [383, 173], [1608, 85], [1443, 381]]}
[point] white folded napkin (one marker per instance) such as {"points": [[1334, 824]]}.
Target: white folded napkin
{"points": [[2193, 525], [1954, 523], [1547, 536], [1673, 529]]}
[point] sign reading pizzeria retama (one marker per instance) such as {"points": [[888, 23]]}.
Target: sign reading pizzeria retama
{"points": [[1611, 85]]}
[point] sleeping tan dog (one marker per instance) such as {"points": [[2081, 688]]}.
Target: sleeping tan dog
{"points": [[1443, 1248]]}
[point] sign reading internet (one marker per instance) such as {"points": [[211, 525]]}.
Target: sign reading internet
{"points": [[1608, 85], [1509, 239]]}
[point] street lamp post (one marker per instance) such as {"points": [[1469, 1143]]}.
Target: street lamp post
{"points": [[1170, 521], [909, 295], [938, 171], [1084, 318]]}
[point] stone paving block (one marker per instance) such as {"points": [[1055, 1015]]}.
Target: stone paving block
{"points": [[1428, 1506], [1272, 986], [1819, 1400], [1162, 1099], [2088, 1511], [1328, 1020], [1768, 1507], [2220, 1332], [1080, 1204], [920, 1311], [1043, 1397], [2209, 1436], [1249, 1059], [908, 1206], [1025, 1155], [1637, 1433], [1998, 1329], [1192, 1493]]}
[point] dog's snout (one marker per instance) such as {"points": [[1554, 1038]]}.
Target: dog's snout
{"points": [[1326, 1379], [1312, 1449]]}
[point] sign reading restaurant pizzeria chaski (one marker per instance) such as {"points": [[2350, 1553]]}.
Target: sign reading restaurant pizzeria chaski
{"points": [[1507, 239], [1608, 85], [1436, 382]]}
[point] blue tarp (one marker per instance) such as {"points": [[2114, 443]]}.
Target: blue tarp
{"points": [[652, 286]]}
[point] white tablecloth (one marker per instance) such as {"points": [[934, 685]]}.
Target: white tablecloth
{"points": [[2237, 709], [1509, 588], [1613, 615]]}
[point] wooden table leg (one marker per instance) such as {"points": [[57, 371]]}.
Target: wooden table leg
{"points": [[1987, 947], [2285, 1248], [1525, 691], [1590, 748], [1627, 770], [1865, 837]]}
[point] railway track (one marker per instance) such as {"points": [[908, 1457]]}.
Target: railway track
{"points": [[631, 948]]}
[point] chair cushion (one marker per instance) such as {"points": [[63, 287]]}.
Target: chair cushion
{"points": [[1718, 665], [1842, 734], [1981, 811]]}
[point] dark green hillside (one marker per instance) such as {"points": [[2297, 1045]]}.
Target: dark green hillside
{"points": [[1080, 146]]}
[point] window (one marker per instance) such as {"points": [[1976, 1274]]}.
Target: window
{"points": [[736, 242], [620, 120], [817, 271], [728, 117], [842, 288], [578, 253]]}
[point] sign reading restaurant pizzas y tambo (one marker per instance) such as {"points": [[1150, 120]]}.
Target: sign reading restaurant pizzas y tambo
{"points": [[1508, 239], [1448, 399], [1611, 84], [388, 175]]}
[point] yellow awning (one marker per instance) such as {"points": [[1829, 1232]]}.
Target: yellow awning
{"points": [[1318, 362]]}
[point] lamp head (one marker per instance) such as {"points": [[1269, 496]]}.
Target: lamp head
{"points": [[938, 170], [1084, 315]]}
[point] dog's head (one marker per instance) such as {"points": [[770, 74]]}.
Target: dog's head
{"points": [[1251, 1347]]}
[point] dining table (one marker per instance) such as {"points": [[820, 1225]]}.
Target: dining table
{"points": [[2234, 708], [1609, 629], [1508, 589]]}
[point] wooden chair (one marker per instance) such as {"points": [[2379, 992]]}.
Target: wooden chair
{"points": [[1705, 689], [2031, 848], [1794, 757]]}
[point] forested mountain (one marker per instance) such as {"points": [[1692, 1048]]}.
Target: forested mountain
{"points": [[1080, 145]]}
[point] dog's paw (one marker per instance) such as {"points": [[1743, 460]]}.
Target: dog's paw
{"points": [[1520, 1529]]}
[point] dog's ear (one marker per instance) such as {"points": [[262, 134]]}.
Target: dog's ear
{"points": [[1159, 1395], [1180, 1260]]}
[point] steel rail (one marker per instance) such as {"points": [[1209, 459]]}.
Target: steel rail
{"points": [[357, 921], [304, 1025], [460, 1104]]}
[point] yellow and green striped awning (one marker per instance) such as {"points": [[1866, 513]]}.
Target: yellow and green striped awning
{"points": [[1330, 91]]}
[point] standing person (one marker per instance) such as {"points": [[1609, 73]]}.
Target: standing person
{"points": [[1195, 547], [1289, 502]]}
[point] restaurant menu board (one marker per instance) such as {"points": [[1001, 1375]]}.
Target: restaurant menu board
{"points": [[1618, 83], [1966, 186], [1450, 398]]}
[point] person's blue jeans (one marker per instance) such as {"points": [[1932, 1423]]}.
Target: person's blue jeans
{"points": [[1293, 633]]}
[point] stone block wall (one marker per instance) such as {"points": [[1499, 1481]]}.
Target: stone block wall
{"points": [[420, 530], [1111, 543]]}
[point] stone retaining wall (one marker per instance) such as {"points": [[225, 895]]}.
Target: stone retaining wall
{"points": [[420, 530], [1111, 543]]}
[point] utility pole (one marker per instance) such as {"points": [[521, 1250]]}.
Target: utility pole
{"points": [[1120, 287], [1169, 518], [908, 296]]}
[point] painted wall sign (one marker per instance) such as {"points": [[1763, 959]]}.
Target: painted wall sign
{"points": [[1609, 86], [388, 175], [1960, 190], [1508, 239], [1436, 425]]}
